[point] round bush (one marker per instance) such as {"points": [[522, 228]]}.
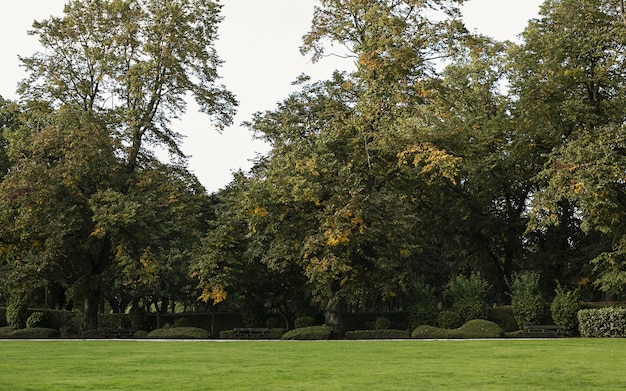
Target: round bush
{"points": [[179, 333], [382, 323], [308, 333], [480, 328], [430, 332]]}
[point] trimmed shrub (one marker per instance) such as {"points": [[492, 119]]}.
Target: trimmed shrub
{"points": [[608, 322], [449, 320], [564, 309], [37, 319], [468, 296], [431, 332], [476, 328], [35, 333], [179, 333], [304, 321], [526, 300], [378, 334], [181, 322], [308, 333], [480, 328]]}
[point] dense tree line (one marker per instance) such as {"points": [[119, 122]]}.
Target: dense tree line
{"points": [[442, 154]]}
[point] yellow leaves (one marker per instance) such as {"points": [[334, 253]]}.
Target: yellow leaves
{"points": [[217, 294], [337, 237], [577, 187], [432, 160], [259, 211]]}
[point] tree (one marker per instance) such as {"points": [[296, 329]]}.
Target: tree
{"points": [[128, 65], [569, 79]]}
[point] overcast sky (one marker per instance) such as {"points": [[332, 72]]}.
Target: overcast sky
{"points": [[259, 42]]}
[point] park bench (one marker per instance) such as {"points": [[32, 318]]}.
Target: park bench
{"points": [[250, 332], [543, 329]]}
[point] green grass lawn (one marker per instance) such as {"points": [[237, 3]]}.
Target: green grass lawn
{"points": [[559, 364]]}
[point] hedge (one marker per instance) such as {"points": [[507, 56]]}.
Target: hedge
{"points": [[378, 334], [35, 333], [179, 333], [308, 333], [274, 333], [608, 322], [476, 328]]}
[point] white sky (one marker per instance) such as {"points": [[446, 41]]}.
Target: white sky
{"points": [[259, 40]]}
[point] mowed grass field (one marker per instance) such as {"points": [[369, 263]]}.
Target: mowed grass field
{"points": [[557, 364]]}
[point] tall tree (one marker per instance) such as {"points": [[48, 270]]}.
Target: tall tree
{"points": [[568, 77], [128, 65]]}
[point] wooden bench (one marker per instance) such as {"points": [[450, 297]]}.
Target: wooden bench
{"points": [[250, 332], [543, 329]]}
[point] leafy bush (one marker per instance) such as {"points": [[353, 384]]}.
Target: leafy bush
{"points": [[480, 328], [35, 333], [179, 333], [431, 332], [378, 334], [468, 296], [382, 323], [37, 319], [526, 300], [304, 321], [17, 314], [424, 310], [138, 318], [449, 320], [503, 317], [608, 322], [475, 328], [308, 333], [564, 309]]}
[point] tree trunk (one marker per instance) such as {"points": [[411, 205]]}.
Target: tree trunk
{"points": [[334, 316], [90, 309]]}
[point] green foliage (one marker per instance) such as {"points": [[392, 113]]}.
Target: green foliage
{"points": [[503, 316], [449, 320], [35, 333], [564, 309], [378, 334], [382, 323], [468, 296], [473, 329], [181, 322], [37, 319], [16, 314], [608, 322], [424, 308], [308, 333], [179, 333], [526, 300], [138, 318], [304, 321]]}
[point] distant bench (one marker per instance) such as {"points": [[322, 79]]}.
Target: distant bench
{"points": [[250, 332], [543, 329]]}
